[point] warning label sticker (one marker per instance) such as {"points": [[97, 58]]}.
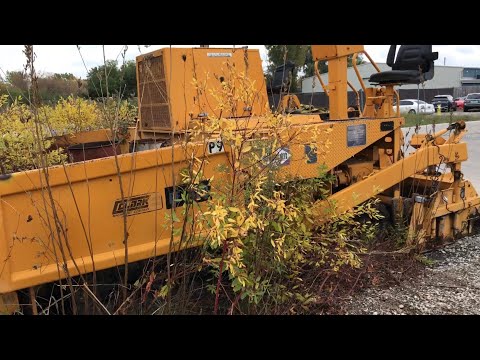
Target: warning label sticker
{"points": [[356, 135]]}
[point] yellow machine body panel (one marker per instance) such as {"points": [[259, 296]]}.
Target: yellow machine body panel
{"points": [[176, 85], [327, 52], [88, 199], [90, 213], [337, 142]]}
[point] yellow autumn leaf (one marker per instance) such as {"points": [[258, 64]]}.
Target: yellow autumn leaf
{"points": [[246, 148]]}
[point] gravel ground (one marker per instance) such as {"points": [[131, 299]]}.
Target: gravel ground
{"points": [[451, 285]]}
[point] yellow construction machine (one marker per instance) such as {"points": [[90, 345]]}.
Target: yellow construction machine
{"points": [[64, 221]]}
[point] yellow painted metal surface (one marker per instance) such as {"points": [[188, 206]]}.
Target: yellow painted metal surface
{"points": [[86, 195], [84, 137], [175, 85], [327, 52], [444, 217], [384, 179], [337, 88], [332, 139]]}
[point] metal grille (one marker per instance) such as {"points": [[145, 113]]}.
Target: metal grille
{"points": [[156, 65], [155, 116], [154, 107], [153, 93]]}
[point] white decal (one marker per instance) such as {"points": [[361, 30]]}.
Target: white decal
{"points": [[215, 147], [219, 54]]}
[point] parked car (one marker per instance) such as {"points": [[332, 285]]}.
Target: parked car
{"points": [[472, 101], [411, 106], [445, 101], [459, 102]]}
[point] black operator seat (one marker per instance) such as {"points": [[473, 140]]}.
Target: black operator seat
{"points": [[282, 77], [413, 65]]}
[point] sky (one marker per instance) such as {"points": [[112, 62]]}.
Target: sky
{"points": [[66, 58]]}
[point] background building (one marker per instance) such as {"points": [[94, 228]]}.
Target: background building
{"points": [[451, 80]]}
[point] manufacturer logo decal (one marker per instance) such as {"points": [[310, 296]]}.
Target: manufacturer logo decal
{"points": [[138, 204]]}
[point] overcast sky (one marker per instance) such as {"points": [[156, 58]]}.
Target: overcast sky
{"points": [[66, 58]]}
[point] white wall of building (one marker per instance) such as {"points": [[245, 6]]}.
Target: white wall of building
{"points": [[445, 77]]}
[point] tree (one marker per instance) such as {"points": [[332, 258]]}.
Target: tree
{"points": [[17, 79], [64, 76], [14, 85], [51, 87], [129, 70], [120, 80]]}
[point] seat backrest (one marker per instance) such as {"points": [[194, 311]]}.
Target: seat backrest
{"points": [[415, 57], [281, 78]]}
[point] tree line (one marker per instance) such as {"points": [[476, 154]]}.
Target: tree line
{"points": [[122, 80]]}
